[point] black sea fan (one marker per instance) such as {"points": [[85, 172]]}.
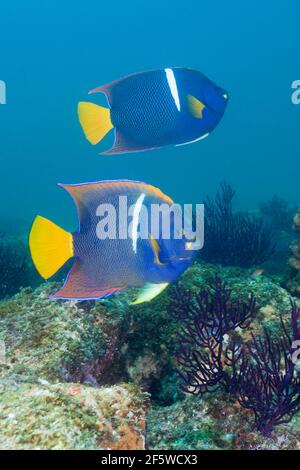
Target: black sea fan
{"points": [[261, 374], [206, 319], [270, 383], [234, 238]]}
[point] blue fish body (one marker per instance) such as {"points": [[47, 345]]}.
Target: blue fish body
{"points": [[172, 106]]}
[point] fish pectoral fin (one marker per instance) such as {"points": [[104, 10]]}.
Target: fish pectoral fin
{"points": [[149, 292], [156, 249], [95, 121], [195, 107]]}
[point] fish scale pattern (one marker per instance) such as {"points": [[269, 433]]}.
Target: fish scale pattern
{"points": [[144, 110]]}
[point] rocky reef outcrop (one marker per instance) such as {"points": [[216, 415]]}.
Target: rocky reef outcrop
{"points": [[293, 282], [99, 375]]}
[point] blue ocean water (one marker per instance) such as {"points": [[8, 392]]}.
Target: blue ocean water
{"points": [[53, 53]]}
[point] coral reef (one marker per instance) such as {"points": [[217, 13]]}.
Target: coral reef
{"points": [[68, 364], [294, 261], [213, 423], [234, 238], [296, 225], [57, 341], [48, 347], [71, 417], [269, 379], [260, 373], [293, 282], [207, 360]]}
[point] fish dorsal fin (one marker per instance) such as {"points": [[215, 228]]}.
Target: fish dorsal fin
{"points": [[88, 196], [108, 88], [149, 292], [195, 106]]}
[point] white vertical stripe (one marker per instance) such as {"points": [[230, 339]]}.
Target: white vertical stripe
{"points": [[173, 86]]}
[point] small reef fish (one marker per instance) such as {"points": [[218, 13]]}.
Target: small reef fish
{"points": [[256, 273], [105, 266], [148, 110]]}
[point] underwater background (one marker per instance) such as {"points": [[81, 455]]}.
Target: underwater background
{"points": [[51, 55]]}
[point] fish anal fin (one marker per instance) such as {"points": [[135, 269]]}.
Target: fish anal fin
{"points": [[79, 285], [123, 145]]}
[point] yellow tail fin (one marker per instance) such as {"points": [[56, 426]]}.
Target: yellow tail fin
{"points": [[95, 121], [50, 246]]}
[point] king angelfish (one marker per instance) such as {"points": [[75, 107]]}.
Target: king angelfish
{"points": [[105, 265], [148, 110]]}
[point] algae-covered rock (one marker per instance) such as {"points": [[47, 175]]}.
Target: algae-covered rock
{"points": [[293, 278], [59, 341], [151, 342], [213, 423], [71, 416], [293, 283], [110, 341], [61, 363], [95, 342]]}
